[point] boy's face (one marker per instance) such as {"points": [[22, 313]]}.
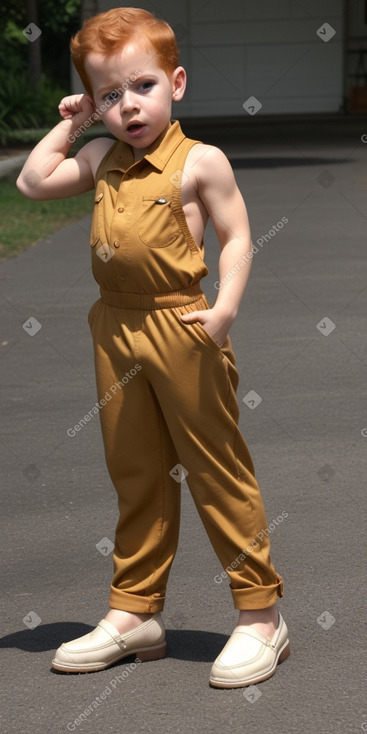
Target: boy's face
{"points": [[140, 91]]}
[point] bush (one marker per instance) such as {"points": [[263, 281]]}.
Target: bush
{"points": [[22, 104], [24, 107]]}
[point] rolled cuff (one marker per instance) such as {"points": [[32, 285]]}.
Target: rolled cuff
{"points": [[135, 603], [257, 597]]}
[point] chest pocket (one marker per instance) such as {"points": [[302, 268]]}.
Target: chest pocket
{"points": [[157, 225]]}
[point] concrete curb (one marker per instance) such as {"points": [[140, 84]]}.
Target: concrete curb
{"points": [[9, 165]]}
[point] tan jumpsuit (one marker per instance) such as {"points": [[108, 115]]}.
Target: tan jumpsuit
{"points": [[166, 390]]}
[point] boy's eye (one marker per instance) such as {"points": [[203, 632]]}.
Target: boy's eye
{"points": [[112, 96], [146, 85]]}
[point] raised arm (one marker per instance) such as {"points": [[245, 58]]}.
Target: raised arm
{"points": [[47, 172]]}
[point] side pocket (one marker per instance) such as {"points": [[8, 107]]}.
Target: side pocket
{"points": [[209, 338]]}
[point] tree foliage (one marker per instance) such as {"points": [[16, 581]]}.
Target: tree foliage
{"points": [[24, 103]]}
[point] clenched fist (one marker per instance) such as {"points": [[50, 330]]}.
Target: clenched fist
{"points": [[77, 107]]}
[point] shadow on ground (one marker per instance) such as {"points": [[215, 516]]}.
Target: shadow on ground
{"points": [[193, 645]]}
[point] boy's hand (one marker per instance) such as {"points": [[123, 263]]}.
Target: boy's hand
{"points": [[77, 107], [216, 326]]}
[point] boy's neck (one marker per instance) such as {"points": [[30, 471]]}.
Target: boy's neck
{"points": [[139, 154]]}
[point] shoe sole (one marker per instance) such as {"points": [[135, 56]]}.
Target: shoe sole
{"points": [[283, 655], [144, 655]]}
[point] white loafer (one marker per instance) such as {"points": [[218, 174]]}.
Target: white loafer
{"points": [[103, 646], [249, 657]]}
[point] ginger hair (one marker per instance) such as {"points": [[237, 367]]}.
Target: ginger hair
{"points": [[107, 33]]}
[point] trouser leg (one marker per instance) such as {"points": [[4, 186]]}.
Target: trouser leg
{"points": [[195, 382], [139, 455]]}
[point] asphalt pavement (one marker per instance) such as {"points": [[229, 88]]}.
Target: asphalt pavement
{"points": [[301, 346]]}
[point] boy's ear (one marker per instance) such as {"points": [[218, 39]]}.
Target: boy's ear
{"points": [[178, 83]]}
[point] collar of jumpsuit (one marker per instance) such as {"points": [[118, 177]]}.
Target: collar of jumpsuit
{"points": [[158, 153]]}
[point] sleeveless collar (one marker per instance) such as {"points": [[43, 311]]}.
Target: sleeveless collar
{"points": [[120, 156]]}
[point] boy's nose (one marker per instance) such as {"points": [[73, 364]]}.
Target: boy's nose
{"points": [[128, 101]]}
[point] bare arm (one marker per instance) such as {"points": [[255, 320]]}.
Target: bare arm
{"points": [[47, 172], [223, 201]]}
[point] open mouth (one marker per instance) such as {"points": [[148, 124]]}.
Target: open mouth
{"points": [[135, 126]]}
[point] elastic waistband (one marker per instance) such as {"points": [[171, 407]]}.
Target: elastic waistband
{"points": [[149, 301]]}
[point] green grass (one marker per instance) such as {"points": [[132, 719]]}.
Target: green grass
{"points": [[24, 222]]}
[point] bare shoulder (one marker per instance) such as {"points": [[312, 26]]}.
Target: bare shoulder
{"points": [[94, 151], [208, 161]]}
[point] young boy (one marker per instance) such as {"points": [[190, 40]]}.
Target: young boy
{"points": [[157, 340]]}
